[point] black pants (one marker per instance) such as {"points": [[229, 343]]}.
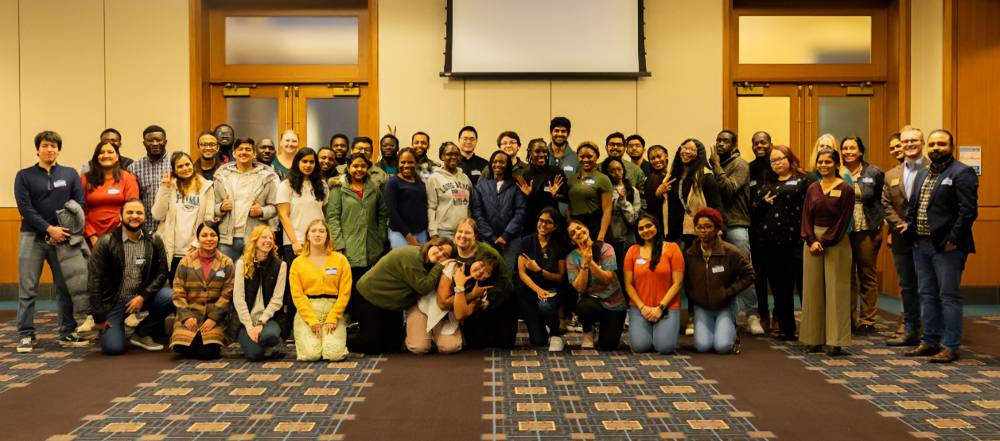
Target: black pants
{"points": [[199, 350], [539, 314], [495, 327], [758, 257], [173, 270], [287, 306], [783, 267], [611, 322], [592, 221], [380, 331]]}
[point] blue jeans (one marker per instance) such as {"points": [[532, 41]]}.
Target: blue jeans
{"points": [[32, 251], [939, 277], [235, 250], [113, 338], [747, 298], [644, 335], [715, 329], [270, 336], [907, 273], [397, 239]]}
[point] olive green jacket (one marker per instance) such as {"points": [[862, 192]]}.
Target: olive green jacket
{"points": [[359, 225]]}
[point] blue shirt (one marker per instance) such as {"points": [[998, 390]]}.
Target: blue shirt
{"points": [[39, 193]]}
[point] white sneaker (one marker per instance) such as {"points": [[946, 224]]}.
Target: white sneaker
{"points": [[556, 344], [753, 322], [146, 343], [689, 329], [25, 345], [588, 340], [87, 325]]}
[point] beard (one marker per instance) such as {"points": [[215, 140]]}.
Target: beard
{"points": [[939, 157], [130, 228]]}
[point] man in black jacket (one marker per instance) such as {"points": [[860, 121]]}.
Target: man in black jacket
{"points": [[128, 274], [943, 206]]}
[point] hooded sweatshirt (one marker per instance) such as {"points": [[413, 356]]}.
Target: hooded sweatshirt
{"points": [[448, 198]]}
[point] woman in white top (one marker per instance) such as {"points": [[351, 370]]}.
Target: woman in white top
{"points": [[300, 200], [436, 317], [258, 288], [183, 201]]}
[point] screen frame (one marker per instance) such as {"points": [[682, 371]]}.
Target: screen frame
{"points": [[449, 73]]}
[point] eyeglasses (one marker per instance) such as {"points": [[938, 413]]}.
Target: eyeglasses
{"points": [[778, 160], [467, 139], [703, 227], [208, 144]]}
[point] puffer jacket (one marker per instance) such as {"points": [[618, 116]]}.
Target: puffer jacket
{"points": [[73, 254], [712, 284], [359, 225], [498, 213], [264, 190]]}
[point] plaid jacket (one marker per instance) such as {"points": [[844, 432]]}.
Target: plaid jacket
{"points": [[202, 299]]}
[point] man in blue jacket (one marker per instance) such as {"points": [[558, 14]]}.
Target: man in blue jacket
{"points": [[942, 208], [40, 190]]}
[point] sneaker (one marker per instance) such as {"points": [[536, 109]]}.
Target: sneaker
{"points": [[574, 325], [87, 326], [588, 340], [689, 329], [73, 340], [556, 344], [753, 322], [146, 343], [26, 345]]}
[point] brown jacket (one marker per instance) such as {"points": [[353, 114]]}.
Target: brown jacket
{"points": [[712, 284], [895, 203], [202, 299]]}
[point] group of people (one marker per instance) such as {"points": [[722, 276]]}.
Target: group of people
{"points": [[258, 244]]}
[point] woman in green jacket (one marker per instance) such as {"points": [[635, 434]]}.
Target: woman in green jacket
{"points": [[357, 216]]}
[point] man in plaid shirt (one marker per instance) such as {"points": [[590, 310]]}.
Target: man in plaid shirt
{"points": [[149, 171]]}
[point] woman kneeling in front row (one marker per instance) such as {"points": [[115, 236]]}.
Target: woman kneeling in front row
{"points": [[321, 287], [654, 272], [591, 270], [715, 272], [203, 290], [258, 294], [436, 316]]}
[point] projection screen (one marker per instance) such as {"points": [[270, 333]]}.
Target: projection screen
{"points": [[587, 38]]}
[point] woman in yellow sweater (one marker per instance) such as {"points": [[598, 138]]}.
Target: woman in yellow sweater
{"points": [[320, 281]]}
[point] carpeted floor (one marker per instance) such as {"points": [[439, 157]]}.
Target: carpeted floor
{"points": [[769, 391]]}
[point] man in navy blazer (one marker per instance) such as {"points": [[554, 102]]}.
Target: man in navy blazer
{"points": [[942, 208]]}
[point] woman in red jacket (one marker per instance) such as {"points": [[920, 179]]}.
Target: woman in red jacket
{"points": [[106, 187]]}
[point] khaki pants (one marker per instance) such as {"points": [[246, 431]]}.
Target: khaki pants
{"points": [[826, 295], [331, 346], [418, 340], [864, 276]]}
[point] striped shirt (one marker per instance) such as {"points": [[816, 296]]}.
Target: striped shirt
{"points": [[135, 262], [149, 173]]}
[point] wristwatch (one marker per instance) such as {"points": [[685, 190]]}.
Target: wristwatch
{"points": [[459, 289], [663, 308]]}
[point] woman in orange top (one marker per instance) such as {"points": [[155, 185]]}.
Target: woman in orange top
{"points": [[654, 274], [106, 187]]}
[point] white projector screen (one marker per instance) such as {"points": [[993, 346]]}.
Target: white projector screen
{"points": [[542, 37]]}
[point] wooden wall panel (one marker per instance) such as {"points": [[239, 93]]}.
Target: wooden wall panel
{"points": [[10, 101], [147, 71], [62, 76], [495, 106]]}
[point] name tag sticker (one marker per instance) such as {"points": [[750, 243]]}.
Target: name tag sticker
{"points": [[640, 261], [718, 269], [753, 183], [477, 172], [114, 191], [894, 182], [547, 189], [568, 168], [331, 271], [220, 273], [792, 182], [589, 181], [140, 260], [59, 183], [868, 180], [946, 181], [834, 193]]}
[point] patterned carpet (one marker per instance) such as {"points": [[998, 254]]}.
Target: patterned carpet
{"points": [[959, 401], [237, 400], [17, 370]]}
